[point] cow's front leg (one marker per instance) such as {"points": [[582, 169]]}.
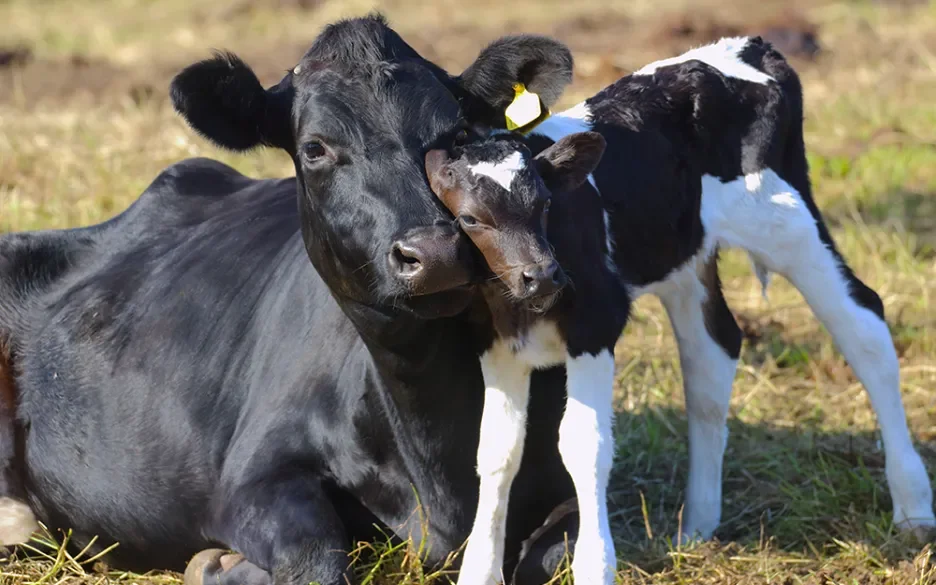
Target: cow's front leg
{"points": [[284, 526], [586, 444], [500, 449]]}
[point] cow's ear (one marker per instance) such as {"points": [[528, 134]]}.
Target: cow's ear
{"points": [[542, 64], [566, 164], [222, 99]]}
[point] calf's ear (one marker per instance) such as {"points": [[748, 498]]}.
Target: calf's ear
{"points": [[565, 165], [222, 99], [542, 64]]}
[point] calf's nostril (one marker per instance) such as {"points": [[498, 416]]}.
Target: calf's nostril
{"points": [[405, 259]]}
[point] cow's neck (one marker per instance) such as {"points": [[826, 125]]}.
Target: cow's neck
{"points": [[403, 345], [429, 382]]}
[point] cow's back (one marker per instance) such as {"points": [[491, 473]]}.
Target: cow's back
{"points": [[127, 339]]}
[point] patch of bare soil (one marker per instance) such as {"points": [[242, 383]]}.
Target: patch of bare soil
{"points": [[789, 32], [28, 81], [239, 8], [607, 47]]}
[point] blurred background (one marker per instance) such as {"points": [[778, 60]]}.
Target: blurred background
{"points": [[85, 125]]}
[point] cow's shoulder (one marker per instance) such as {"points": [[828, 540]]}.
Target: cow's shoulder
{"points": [[197, 177]]}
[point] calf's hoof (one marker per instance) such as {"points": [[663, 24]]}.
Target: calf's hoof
{"points": [[17, 522], [922, 531], [206, 566]]}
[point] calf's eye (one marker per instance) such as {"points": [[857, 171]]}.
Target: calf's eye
{"points": [[467, 220], [461, 137], [313, 150]]}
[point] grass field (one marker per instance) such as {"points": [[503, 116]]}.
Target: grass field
{"points": [[85, 125]]}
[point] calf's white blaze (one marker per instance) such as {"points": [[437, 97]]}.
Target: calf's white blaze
{"points": [[502, 172]]}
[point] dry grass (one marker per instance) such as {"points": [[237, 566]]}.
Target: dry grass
{"points": [[805, 497]]}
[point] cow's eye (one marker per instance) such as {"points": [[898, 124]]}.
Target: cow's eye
{"points": [[461, 137], [546, 207], [468, 220], [313, 150]]}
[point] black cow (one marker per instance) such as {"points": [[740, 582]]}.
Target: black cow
{"points": [[182, 377]]}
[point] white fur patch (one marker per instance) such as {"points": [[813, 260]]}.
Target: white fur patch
{"points": [[723, 55], [766, 216], [586, 443], [500, 450], [541, 347], [502, 172]]}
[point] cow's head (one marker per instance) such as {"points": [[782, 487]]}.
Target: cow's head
{"points": [[501, 196], [357, 115]]}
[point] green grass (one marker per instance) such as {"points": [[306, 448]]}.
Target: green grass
{"points": [[805, 495]]}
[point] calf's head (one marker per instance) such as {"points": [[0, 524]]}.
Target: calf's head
{"points": [[501, 197], [357, 115]]}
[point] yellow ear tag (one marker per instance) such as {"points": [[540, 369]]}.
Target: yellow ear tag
{"points": [[524, 108]]}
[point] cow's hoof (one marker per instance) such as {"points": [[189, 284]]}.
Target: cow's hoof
{"points": [[17, 522], [205, 567]]}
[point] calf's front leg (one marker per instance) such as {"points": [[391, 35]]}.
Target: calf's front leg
{"points": [[500, 449], [586, 444]]}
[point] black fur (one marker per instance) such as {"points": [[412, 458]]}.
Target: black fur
{"points": [[224, 101], [542, 64]]}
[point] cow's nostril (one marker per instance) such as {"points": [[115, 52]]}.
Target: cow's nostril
{"points": [[405, 259]]}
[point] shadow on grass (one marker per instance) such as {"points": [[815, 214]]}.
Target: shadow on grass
{"points": [[804, 490]]}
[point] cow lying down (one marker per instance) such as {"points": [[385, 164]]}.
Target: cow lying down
{"points": [[701, 151]]}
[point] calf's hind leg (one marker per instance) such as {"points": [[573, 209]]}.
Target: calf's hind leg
{"points": [[765, 215], [709, 343]]}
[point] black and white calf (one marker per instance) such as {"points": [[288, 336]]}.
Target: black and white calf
{"points": [[506, 201], [705, 151]]}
